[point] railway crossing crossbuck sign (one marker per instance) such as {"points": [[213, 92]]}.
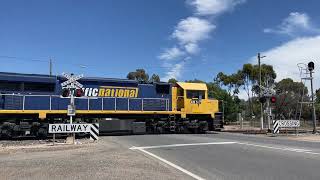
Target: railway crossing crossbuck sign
{"points": [[72, 81]]}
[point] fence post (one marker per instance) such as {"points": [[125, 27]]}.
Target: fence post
{"points": [[23, 101], [240, 120], [50, 103], [142, 104], [101, 104], [128, 104], [88, 103]]}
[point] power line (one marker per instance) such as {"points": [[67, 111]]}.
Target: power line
{"points": [[23, 59]]}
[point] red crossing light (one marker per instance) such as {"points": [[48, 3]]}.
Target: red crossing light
{"points": [[273, 99], [79, 92]]}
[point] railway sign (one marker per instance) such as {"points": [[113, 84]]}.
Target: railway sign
{"points": [[276, 128], [289, 123], [71, 110], [277, 124], [93, 129], [72, 81], [69, 128]]}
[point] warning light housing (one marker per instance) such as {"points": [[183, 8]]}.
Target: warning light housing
{"points": [[311, 66], [65, 93], [78, 92], [262, 99]]}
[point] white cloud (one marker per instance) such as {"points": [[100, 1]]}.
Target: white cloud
{"points": [[192, 30], [294, 25], [285, 58], [213, 7], [175, 71], [242, 94], [192, 48], [172, 53]]}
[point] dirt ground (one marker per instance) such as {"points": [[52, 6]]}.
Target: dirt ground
{"points": [[105, 159], [305, 137]]}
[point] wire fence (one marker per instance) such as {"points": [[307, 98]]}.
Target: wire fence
{"points": [[255, 124]]}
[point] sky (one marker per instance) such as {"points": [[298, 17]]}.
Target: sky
{"points": [[182, 39]]}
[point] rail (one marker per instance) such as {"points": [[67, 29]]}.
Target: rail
{"points": [[56, 102]]}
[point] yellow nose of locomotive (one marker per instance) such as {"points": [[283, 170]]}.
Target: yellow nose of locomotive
{"points": [[192, 99]]}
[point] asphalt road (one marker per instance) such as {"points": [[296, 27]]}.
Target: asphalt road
{"points": [[172, 156], [231, 156]]}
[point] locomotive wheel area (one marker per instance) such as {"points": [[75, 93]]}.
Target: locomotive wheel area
{"points": [[26, 123]]}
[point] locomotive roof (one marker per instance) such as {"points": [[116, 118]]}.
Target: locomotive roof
{"points": [[193, 86], [8, 76]]}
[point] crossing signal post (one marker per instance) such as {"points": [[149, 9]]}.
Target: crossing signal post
{"points": [[267, 96], [71, 89], [311, 69]]}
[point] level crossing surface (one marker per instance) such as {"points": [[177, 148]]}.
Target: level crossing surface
{"points": [[169, 156], [231, 156]]}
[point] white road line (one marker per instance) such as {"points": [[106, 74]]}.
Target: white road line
{"points": [[142, 149], [281, 148], [179, 145], [307, 151], [173, 165]]}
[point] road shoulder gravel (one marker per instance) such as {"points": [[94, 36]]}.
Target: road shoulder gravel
{"points": [[105, 159]]}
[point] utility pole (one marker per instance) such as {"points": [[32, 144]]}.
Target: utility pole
{"points": [[268, 106], [311, 68], [50, 67], [261, 108]]}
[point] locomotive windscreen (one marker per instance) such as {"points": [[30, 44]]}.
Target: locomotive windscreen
{"points": [[163, 88]]}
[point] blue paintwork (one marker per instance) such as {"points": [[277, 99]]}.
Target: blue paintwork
{"points": [[14, 102]]}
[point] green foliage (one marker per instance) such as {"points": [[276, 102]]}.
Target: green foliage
{"points": [[318, 96], [155, 78], [195, 81], [172, 80], [289, 94], [246, 78], [231, 104], [139, 75]]}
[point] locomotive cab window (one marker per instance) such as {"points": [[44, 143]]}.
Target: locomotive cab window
{"points": [[39, 87], [163, 88], [10, 86], [195, 94]]}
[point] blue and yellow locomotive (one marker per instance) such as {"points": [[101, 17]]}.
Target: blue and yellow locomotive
{"points": [[29, 102]]}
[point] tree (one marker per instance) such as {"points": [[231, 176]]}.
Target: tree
{"points": [[154, 78], [172, 80], [289, 94], [232, 82], [231, 103], [247, 78], [139, 75], [195, 81], [318, 96]]}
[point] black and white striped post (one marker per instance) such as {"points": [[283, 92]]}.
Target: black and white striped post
{"points": [[276, 127], [94, 131]]}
